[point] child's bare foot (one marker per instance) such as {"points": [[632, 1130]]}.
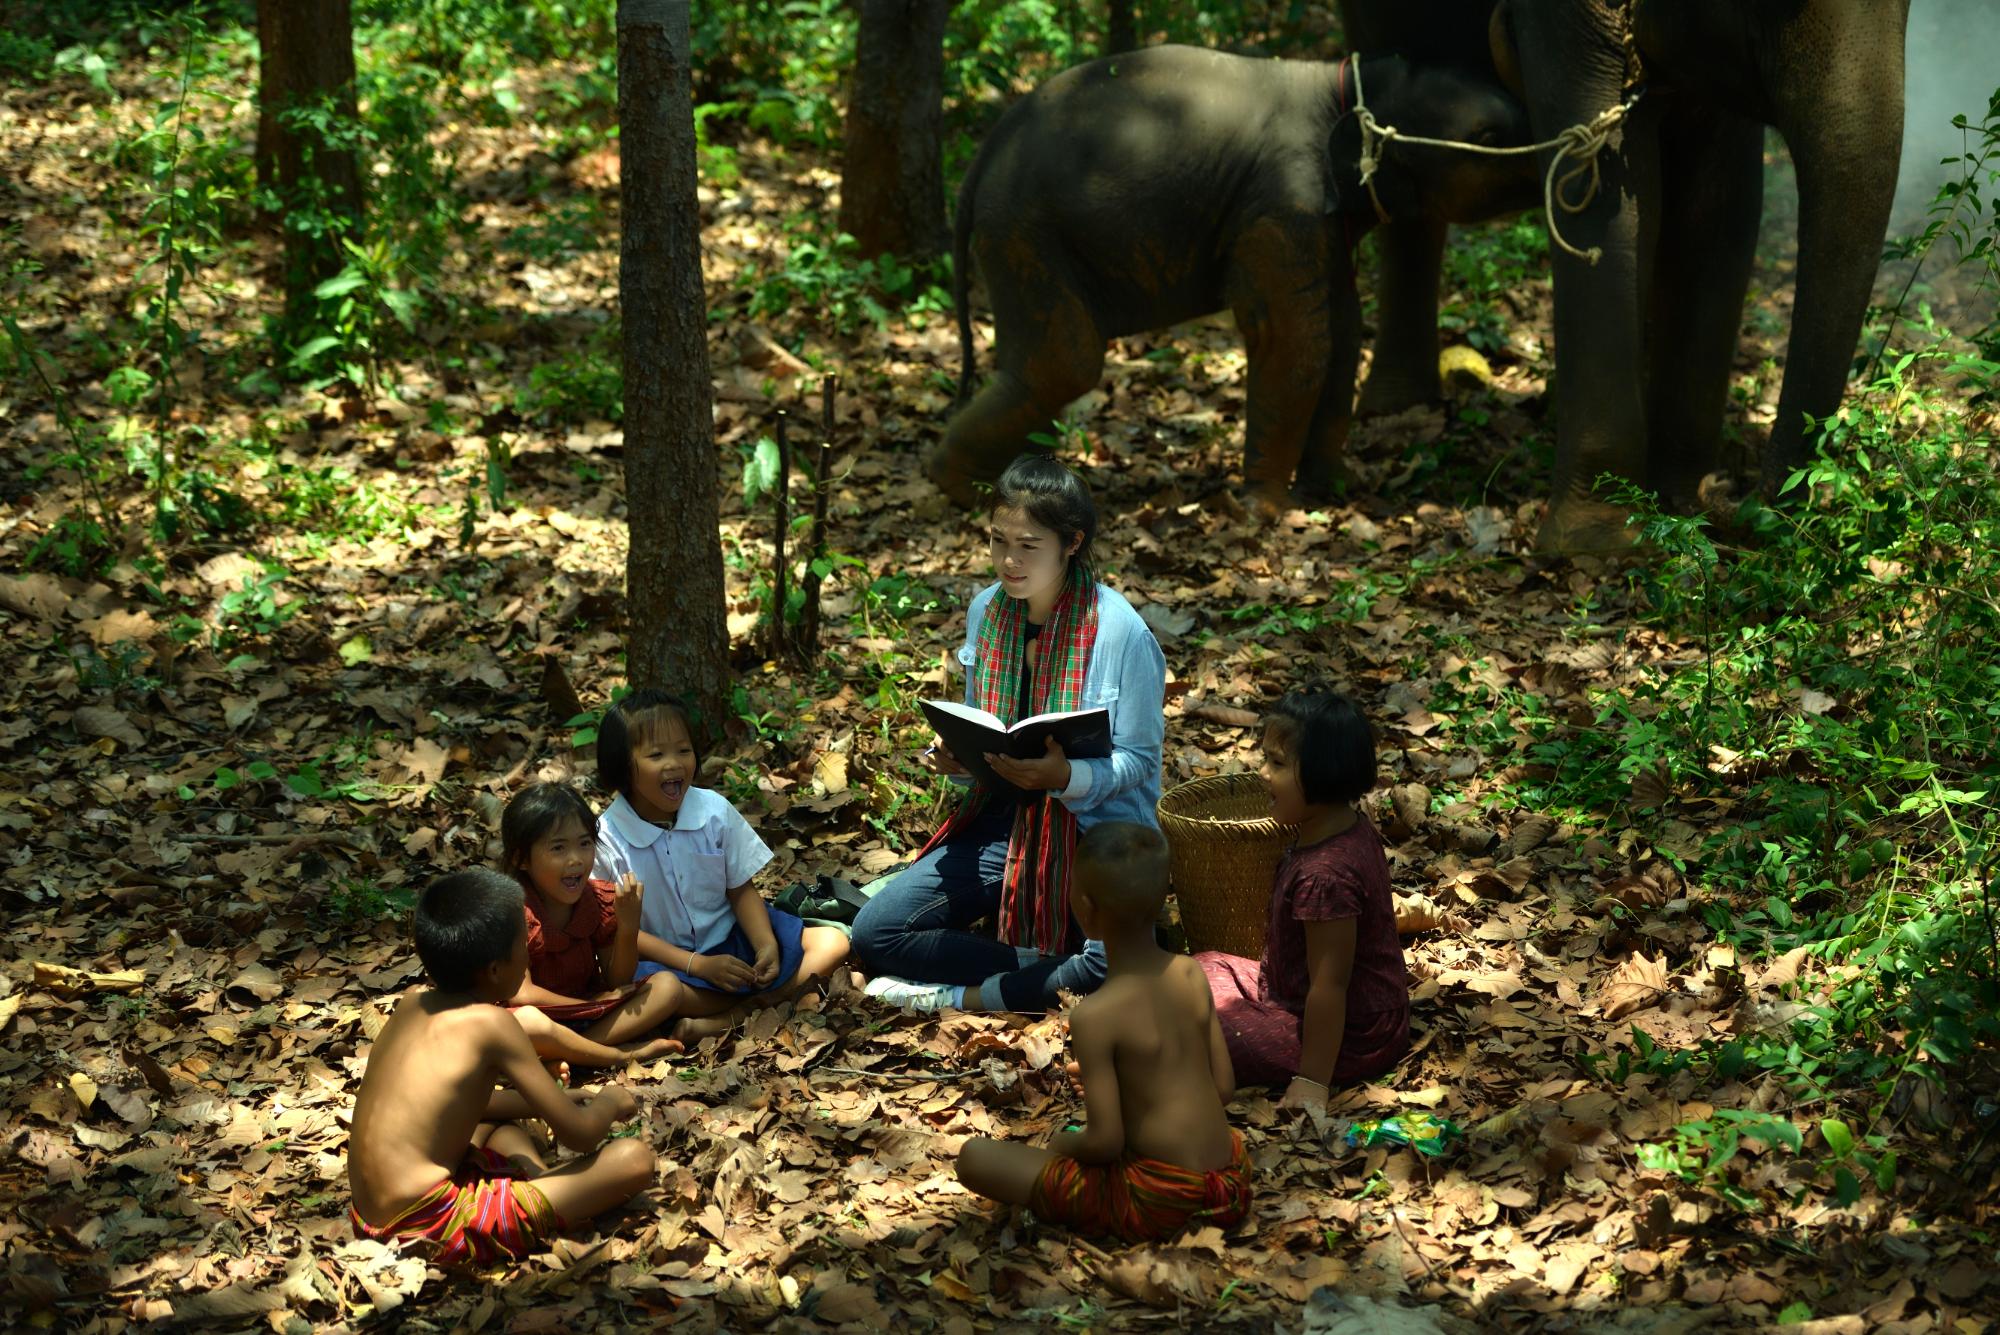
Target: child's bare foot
{"points": [[655, 1048], [693, 1029]]}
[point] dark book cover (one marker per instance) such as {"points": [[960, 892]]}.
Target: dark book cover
{"points": [[969, 734]]}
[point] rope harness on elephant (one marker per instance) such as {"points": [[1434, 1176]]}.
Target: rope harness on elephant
{"points": [[1579, 145]]}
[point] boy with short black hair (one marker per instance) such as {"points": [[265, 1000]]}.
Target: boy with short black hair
{"points": [[433, 1153], [1156, 1154]]}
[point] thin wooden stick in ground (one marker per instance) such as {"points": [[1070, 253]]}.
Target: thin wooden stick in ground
{"points": [[809, 615], [782, 492]]}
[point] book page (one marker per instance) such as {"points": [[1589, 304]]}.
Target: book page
{"points": [[969, 714], [1055, 717]]}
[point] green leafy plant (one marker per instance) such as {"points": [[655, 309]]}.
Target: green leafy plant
{"points": [[585, 385], [363, 902], [844, 291], [190, 180], [353, 306], [1482, 267], [761, 479], [88, 535], [1702, 1152], [256, 608]]}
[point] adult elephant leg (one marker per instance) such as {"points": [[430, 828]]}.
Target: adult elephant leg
{"points": [[1323, 465], [1600, 402], [1404, 372], [1569, 58], [1712, 174], [1277, 288], [1049, 350], [1840, 108]]}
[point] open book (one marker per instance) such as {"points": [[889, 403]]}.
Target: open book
{"points": [[968, 733]]}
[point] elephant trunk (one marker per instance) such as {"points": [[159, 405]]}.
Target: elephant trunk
{"points": [[1846, 149]]}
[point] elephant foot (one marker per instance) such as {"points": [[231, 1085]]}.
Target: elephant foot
{"points": [[1323, 483], [1385, 396], [1584, 527], [951, 478], [1260, 502]]}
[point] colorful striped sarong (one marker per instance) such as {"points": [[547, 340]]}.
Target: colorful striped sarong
{"points": [[1142, 1200], [577, 1014], [480, 1214]]}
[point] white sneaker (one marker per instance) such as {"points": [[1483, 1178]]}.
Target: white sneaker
{"points": [[915, 996]]}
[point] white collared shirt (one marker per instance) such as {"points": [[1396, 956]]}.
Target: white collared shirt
{"points": [[686, 870]]}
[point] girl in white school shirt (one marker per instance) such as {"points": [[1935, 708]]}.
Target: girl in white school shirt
{"points": [[695, 857]]}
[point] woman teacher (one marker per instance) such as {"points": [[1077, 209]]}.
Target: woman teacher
{"points": [[1048, 637]]}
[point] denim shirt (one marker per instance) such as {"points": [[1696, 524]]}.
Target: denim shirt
{"points": [[1127, 675]]}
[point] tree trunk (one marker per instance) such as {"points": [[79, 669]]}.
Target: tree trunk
{"points": [[1121, 33], [892, 183], [673, 564], [305, 58]]}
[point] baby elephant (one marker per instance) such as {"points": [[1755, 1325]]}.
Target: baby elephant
{"points": [[1141, 190]]}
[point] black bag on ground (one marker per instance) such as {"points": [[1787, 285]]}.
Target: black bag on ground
{"points": [[829, 899]]}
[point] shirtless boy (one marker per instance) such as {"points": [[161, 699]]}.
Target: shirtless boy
{"points": [[1156, 1153], [433, 1153]]}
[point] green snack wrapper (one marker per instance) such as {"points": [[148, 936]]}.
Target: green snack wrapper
{"points": [[1420, 1131]]}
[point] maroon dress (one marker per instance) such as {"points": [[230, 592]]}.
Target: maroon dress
{"points": [[564, 959], [1262, 1004]]}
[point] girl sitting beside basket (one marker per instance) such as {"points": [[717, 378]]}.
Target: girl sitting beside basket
{"points": [[1329, 1002]]}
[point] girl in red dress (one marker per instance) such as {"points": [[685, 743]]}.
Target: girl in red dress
{"points": [[583, 939], [1329, 1003]]}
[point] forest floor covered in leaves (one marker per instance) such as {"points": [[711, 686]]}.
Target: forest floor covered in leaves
{"points": [[230, 760]]}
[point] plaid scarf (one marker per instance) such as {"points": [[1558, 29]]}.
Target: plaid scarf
{"points": [[1034, 900]]}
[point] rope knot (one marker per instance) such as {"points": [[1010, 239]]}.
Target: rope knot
{"points": [[1579, 144]]}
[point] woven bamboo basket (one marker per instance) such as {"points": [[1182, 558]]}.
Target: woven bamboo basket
{"points": [[1225, 849]]}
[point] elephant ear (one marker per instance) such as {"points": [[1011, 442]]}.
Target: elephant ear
{"points": [[1506, 56], [1343, 148]]}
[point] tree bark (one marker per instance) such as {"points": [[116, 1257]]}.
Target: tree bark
{"points": [[306, 57], [673, 564], [1122, 34], [892, 183]]}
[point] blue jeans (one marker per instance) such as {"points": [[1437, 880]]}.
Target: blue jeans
{"points": [[914, 927]]}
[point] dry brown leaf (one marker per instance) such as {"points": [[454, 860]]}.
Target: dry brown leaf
{"points": [[1475, 840], [1156, 1278], [62, 979], [1650, 887], [121, 626], [104, 721], [1635, 985], [1229, 716], [1783, 971], [1529, 834], [425, 760], [42, 597], [1411, 803], [830, 772], [849, 1302], [1418, 913]]}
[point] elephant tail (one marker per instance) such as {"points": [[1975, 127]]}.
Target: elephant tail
{"points": [[961, 271]]}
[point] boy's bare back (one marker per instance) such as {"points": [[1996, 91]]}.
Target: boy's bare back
{"points": [[430, 1078], [1158, 1029]]}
